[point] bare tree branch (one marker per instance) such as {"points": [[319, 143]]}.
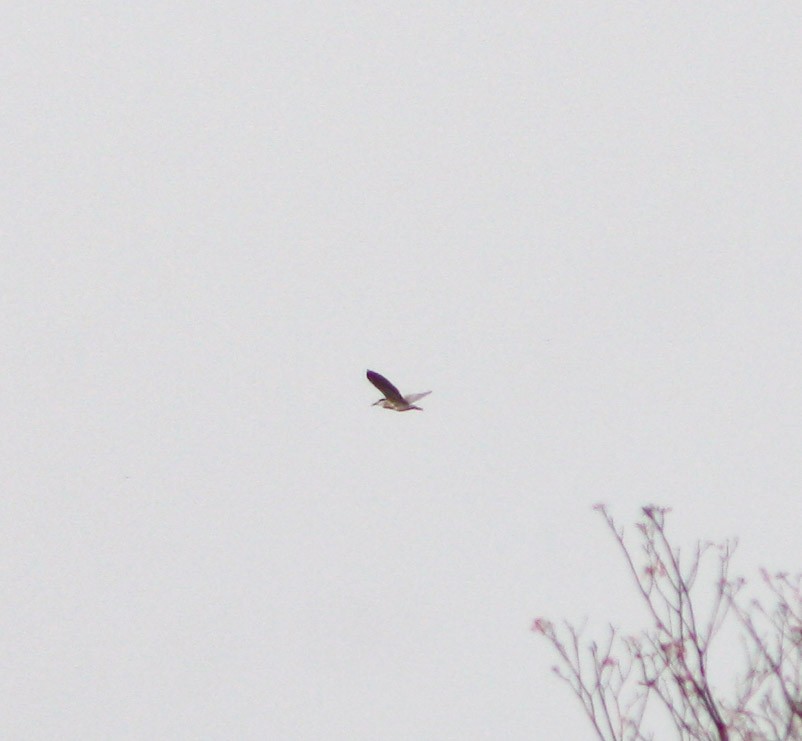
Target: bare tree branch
{"points": [[628, 681]]}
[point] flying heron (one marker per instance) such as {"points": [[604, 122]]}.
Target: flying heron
{"points": [[392, 396]]}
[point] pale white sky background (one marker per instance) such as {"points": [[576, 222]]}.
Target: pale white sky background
{"points": [[579, 224]]}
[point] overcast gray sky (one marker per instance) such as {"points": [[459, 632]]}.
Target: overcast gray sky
{"points": [[578, 223]]}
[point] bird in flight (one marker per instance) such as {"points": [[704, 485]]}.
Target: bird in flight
{"points": [[392, 396]]}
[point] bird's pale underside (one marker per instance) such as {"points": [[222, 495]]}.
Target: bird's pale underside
{"points": [[392, 398]]}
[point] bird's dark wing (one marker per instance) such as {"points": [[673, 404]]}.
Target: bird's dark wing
{"points": [[380, 382]]}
